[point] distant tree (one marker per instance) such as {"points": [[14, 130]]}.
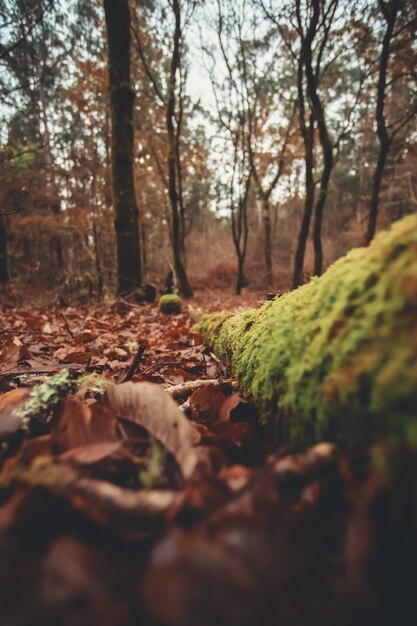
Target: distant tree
{"points": [[248, 75], [129, 261], [168, 80], [174, 170], [32, 63], [307, 35], [400, 22], [312, 33], [232, 119], [4, 262]]}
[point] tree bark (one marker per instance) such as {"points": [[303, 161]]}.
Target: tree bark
{"points": [[179, 266], [376, 188], [325, 142], [265, 195], [390, 11], [179, 172], [129, 266], [266, 218], [318, 212], [240, 228], [240, 276], [307, 133], [305, 224], [4, 266]]}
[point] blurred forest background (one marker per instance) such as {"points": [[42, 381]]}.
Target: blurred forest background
{"points": [[270, 137]]}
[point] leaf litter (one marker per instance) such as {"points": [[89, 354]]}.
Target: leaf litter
{"points": [[136, 487]]}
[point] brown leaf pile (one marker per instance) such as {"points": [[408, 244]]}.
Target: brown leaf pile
{"points": [[158, 501]]}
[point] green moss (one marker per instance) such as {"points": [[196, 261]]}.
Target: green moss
{"points": [[170, 304], [337, 358], [152, 476], [45, 397]]}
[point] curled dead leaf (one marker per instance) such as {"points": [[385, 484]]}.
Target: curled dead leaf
{"points": [[153, 408], [77, 424], [236, 409], [11, 422], [205, 403]]}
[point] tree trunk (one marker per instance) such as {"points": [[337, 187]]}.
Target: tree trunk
{"points": [[376, 187], [99, 271], [308, 205], [390, 11], [266, 219], [318, 213], [129, 267], [181, 274], [240, 277], [329, 402], [318, 112], [180, 178], [4, 266]]}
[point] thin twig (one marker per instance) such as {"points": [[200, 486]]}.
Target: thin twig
{"points": [[71, 334], [186, 389], [135, 363]]}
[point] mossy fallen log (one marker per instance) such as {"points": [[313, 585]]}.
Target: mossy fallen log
{"points": [[335, 359]]}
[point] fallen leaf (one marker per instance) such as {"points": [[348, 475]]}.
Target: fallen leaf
{"points": [[14, 352], [177, 375], [153, 408], [78, 357], [91, 453], [236, 409], [239, 433], [9, 424], [77, 424], [205, 403], [13, 398]]}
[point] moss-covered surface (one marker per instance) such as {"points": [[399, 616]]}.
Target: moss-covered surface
{"points": [[337, 358], [170, 304]]}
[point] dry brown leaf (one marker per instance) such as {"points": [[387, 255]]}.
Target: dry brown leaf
{"points": [[77, 424], [91, 453], [153, 408], [12, 398], [205, 403], [236, 409], [14, 352]]}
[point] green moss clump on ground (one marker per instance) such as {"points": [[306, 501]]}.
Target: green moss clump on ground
{"points": [[335, 359], [45, 397], [170, 304]]}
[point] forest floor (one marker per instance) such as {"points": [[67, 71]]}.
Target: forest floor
{"points": [[161, 505]]}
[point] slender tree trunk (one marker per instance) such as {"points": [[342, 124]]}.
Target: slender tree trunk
{"points": [[317, 109], [99, 271], [182, 278], [318, 214], [390, 10], [265, 195], [240, 228], [48, 161], [41, 106], [4, 265], [97, 255], [180, 175], [308, 206], [307, 133], [266, 219], [240, 276], [376, 188], [129, 267]]}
